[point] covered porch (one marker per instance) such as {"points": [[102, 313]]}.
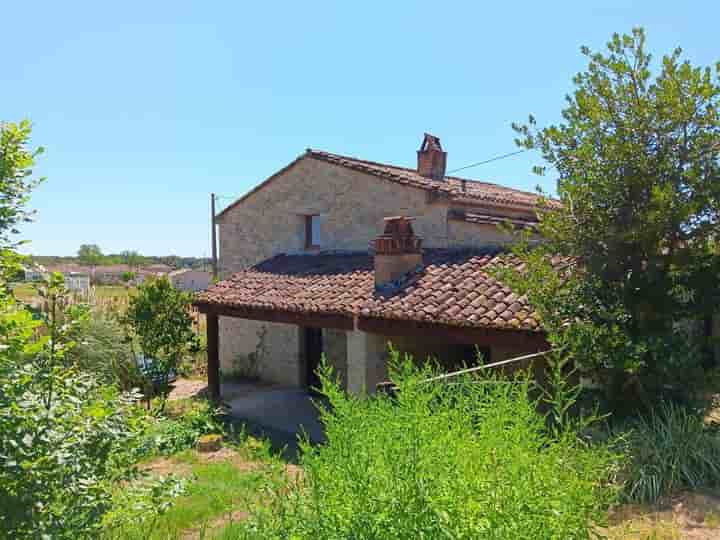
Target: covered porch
{"points": [[287, 311], [356, 348]]}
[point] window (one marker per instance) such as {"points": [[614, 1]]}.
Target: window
{"points": [[312, 231]]}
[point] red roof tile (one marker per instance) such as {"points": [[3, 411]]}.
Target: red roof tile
{"points": [[453, 288]]}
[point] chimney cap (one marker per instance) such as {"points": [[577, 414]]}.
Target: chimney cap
{"points": [[430, 142], [431, 158]]}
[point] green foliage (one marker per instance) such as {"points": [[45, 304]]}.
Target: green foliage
{"points": [[101, 349], [132, 258], [158, 320], [66, 439], [127, 277], [634, 240], [467, 459], [16, 182], [90, 254], [670, 449], [168, 435]]}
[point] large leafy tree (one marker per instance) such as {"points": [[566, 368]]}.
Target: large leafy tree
{"points": [[636, 156], [90, 254]]}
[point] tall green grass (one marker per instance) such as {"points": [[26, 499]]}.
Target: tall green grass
{"points": [[465, 460], [670, 448]]}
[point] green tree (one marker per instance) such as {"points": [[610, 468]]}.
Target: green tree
{"points": [[90, 254], [16, 181], [633, 241], [158, 320], [132, 258]]}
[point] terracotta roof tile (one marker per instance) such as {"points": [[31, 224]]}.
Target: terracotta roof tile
{"points": [[455, 188], [453, 288]]}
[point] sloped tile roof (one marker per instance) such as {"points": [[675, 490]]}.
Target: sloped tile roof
{"points": [[488, 219], [459, 189], [452, 287]]}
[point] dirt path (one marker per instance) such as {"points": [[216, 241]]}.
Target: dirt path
{"points": [[187, 388], [688, 515]]}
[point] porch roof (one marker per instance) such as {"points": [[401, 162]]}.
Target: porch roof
{"points": [[451, 288]]}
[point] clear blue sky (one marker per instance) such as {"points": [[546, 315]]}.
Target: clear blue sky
{"points": [[146, 107]]}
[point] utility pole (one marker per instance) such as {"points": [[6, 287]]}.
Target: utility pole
{"points": [[213, 236]]}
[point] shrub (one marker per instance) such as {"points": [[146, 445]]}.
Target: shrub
{"points": [[670, 449], [65, 438], [158, 320], [467, 459], [168, 435], [101, 349]]}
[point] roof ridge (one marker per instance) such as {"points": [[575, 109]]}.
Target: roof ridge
{"points": [[315, 151]]}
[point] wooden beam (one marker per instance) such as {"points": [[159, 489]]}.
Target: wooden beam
{"points": [[454, 334], [213, 356], [316, 320]]}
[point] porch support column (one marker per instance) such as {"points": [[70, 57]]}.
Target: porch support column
{"points": [[366, 362], [213, 356], [357, 357]]}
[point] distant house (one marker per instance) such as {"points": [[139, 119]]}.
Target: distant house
{"points": [[77, 282], [36, 272], [188, 279], [111, 274], [158, 268]]}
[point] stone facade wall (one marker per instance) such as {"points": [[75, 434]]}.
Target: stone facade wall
{"points": [[462, 233], [351, 206], [270, 351]]}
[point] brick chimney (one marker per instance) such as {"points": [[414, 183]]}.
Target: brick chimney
{"points": [[431, 159], [397, 251]]}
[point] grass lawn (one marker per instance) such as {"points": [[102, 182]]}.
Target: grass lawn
{"points": [[222, 487], [25, 292]]}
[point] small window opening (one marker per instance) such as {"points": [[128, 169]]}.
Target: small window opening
{"points": [[312, 231]]}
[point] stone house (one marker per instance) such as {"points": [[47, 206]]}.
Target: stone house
{"points": [[321, 258], [78, 282], [35, 272], [190, 279]]}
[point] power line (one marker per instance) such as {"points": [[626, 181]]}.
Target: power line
{"points": [[497, 158]]}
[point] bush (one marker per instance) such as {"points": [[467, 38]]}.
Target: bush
{"points": [[468, 459], [670, 449], [168, 435], [101, 348]]}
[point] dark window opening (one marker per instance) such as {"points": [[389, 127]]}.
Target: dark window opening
{"points": [[312, 231]]}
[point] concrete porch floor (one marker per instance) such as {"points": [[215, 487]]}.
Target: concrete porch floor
{"points": [[277, 412]]}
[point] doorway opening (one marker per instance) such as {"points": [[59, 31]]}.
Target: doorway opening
{"points": [[313, 354]]}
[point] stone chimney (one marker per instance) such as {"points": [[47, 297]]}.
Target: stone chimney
{"points": [[431, 159], [397, 251]]}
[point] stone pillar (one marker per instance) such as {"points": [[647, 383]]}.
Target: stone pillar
{"points": [[357, 356], [366, 362], [213, 356]]}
